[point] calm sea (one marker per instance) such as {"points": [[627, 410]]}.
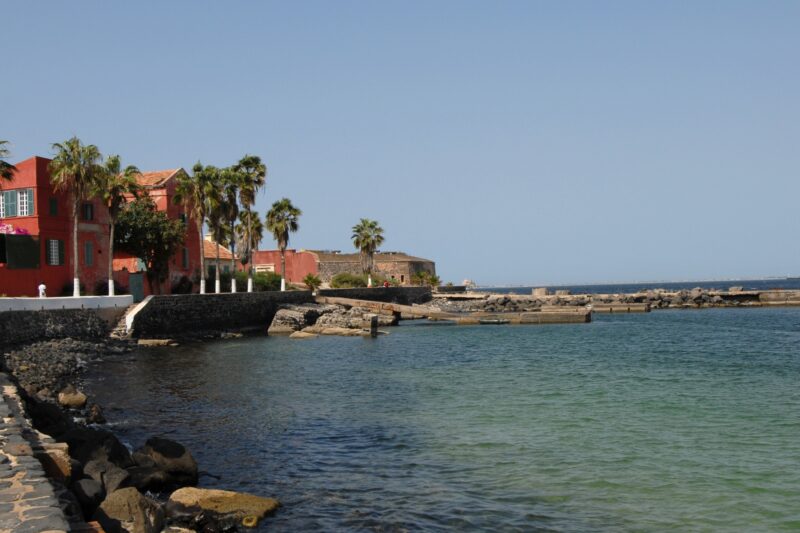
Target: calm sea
{"points": [[616, 288], [667, 421]]}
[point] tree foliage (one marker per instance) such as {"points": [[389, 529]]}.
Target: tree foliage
{"points": [[6, 169], [150, 235]]}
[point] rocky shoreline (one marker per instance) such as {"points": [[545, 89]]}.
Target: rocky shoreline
{"points": [[102, 483], [97, 479], [696, 298]]}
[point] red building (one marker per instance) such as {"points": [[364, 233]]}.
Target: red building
{"points": [[36, 235]]}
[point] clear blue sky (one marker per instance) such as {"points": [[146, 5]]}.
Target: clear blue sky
{"points": [[511, 142]]}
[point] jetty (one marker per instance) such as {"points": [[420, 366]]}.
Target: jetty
{"points": [[553, 316]]}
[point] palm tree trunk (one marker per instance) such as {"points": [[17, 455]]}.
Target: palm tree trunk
{"points": [[283, 270], [76, 283], [233, 258], [216, 274], [202, 259], [111, 259], [249, 251]]}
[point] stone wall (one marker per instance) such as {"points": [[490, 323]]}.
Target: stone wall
{"points": [[395, 295], [18, 327], [328, 269], [193, 314]]}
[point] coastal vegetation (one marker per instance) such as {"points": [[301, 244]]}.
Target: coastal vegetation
{"points": [[192, 193], [312, 281], [253, 175], [283, 219], [6, 168], [75, 169], [367, 237]]}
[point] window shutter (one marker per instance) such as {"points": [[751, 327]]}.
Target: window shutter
{"points": [[31, 210], [60, 253], [11, 203]]}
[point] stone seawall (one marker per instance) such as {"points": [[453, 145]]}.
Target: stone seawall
{"points": [[19, 327], [192, 314], [394, 295]]}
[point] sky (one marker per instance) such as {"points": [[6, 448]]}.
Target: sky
{"points": [[525, 143]]}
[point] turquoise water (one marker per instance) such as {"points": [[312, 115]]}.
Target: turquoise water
{"points": [[673, 420]]}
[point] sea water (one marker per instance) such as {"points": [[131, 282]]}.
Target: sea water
{"points": [[666, 421]]}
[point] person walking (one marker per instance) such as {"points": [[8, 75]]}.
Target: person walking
{"points": [[42, 290]]}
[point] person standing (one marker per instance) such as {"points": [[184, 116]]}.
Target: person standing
{"points": [[42, 290]]}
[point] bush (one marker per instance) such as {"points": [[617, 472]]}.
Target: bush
{"points": [[346, 280], [312, 281], [183, 286], [68, 286], [101, 288]]}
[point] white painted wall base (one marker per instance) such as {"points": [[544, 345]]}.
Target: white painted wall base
{"points": [[65, 302]]}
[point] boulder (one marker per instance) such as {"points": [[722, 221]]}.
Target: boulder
{"points": [[95, 415], [71, 398], [173, 458], [87, 444], [223, 504], [90, 494], [110, 475], [126, 510], [156, 342], [151, 478]]}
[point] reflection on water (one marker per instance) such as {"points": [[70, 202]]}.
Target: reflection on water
{"points": [[664, 421]]}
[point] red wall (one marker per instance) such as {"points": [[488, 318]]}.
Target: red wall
{"points": [[298, 264]]}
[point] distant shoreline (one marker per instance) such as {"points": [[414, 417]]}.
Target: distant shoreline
{"points": [[620, 288]]}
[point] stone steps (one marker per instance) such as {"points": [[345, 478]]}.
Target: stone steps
{"points": [[120, 331]]}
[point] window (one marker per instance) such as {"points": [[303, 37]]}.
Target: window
{"points": [[182, 217], [88, 253], [20, 251], [16, 203], [55, 252], [87, 212], [53, 207], [226, 269], [185, 259]]}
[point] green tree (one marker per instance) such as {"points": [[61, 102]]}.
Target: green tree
{"points": [[253, 175], [282, 219], [249, 232], [367, 237], [192, 193], [215, 218], [115, 186], [75, 169], [147, 233], [6, 169]]}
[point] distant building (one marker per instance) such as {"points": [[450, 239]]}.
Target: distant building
{"points": [[326, 264], [210, 257]]}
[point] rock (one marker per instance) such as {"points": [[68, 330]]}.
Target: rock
{"points": [[220, 503], [95, 415], [56, 461], [151, 478], [86, 444], [71, 398], [302, 335], [90, 494], [126, 510], [344, 332], [156, 342], [111, 476], [173, 458]]}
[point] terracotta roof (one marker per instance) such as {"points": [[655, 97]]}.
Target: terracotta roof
{"points": [[156, 178], [210, 251], [391, 257]]}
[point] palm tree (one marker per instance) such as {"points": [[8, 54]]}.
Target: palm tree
{"points": [[253, 175], [6, 169], [367, 236], [114, 186], [75, 169], [215, 218], [282, 220], [192, 193], [231, 183], [249, 232]]}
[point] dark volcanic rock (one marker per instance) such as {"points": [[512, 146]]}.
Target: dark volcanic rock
{"points": [[173, 458], [86, 444]]}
